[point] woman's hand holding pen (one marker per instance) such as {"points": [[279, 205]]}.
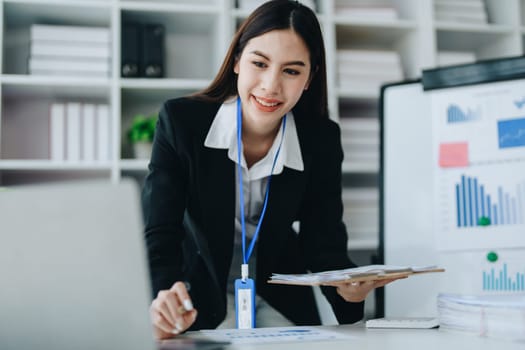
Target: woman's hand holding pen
{"points": [[172, 312], [357, 291]]}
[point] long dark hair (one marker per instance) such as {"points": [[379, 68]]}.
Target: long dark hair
{"points": [[277, 15]]}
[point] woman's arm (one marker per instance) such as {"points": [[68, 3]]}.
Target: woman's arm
{"points": [[163, 199]]}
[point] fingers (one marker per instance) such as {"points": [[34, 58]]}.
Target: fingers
{"points": [[172, 312], [161, 323], [357, 291], [180, 289]]}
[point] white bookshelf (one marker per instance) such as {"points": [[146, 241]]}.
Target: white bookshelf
{"points": [[197, 36]]}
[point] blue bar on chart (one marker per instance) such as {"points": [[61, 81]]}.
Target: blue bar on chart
{"points": [[456, 115], [503, 281], [475, 207]]}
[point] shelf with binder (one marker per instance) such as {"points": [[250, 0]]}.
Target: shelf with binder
{"points": [[191, 43]]}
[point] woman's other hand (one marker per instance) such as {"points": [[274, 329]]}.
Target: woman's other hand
{"points": [[172, 312]]}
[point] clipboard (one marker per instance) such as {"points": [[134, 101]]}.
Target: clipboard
{"points": [[316, 279]]}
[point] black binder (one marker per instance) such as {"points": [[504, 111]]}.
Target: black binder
{"points": [[153, 51], [130, 49]]}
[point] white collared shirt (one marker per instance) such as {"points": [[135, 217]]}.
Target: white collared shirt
{"points": [[223, 135]]}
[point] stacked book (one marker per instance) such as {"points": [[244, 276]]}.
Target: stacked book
{"points": [[496, 316], [461, 11], [362, 72], [250, 5], [79, 132], [360, 141], [375, 10], [69, 50], [450, 58], [361, 212]]}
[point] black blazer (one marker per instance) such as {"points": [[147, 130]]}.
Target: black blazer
{"points": [[187, 179]]}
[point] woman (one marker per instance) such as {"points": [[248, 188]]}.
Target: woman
{"points": [[272, 85]]}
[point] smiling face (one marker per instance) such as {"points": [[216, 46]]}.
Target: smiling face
{"points": [[273, 71]]}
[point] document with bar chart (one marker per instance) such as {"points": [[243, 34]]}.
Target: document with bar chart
{"points": [[479, 144], [505, 274]]}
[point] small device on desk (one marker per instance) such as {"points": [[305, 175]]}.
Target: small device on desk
{"points": [[403, 322]]}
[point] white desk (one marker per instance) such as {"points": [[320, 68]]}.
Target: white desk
{"points": [[402, 339]]}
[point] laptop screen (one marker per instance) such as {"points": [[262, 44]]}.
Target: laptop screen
{"points": [[73, 268]]}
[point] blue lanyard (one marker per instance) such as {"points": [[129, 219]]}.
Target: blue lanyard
{"points": [[245, 256]]}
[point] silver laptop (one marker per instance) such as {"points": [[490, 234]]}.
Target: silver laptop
{"points": [[73, 271]]}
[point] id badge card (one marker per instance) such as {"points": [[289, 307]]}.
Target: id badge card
{"points": [[245, 303]]}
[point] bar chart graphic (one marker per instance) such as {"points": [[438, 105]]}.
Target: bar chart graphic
{"points": [[478, 170], [475, 206], [503, 280], [456, 115], [511, 133]]}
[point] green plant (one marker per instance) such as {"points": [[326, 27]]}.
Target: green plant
{"points": [[142, 128]]}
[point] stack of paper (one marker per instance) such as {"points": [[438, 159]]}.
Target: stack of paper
{"points": [[498, 316], [69, 50], [461, 11], [361, 212], [360, 141], [375, 10], [362, 273], [362, 72]]}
